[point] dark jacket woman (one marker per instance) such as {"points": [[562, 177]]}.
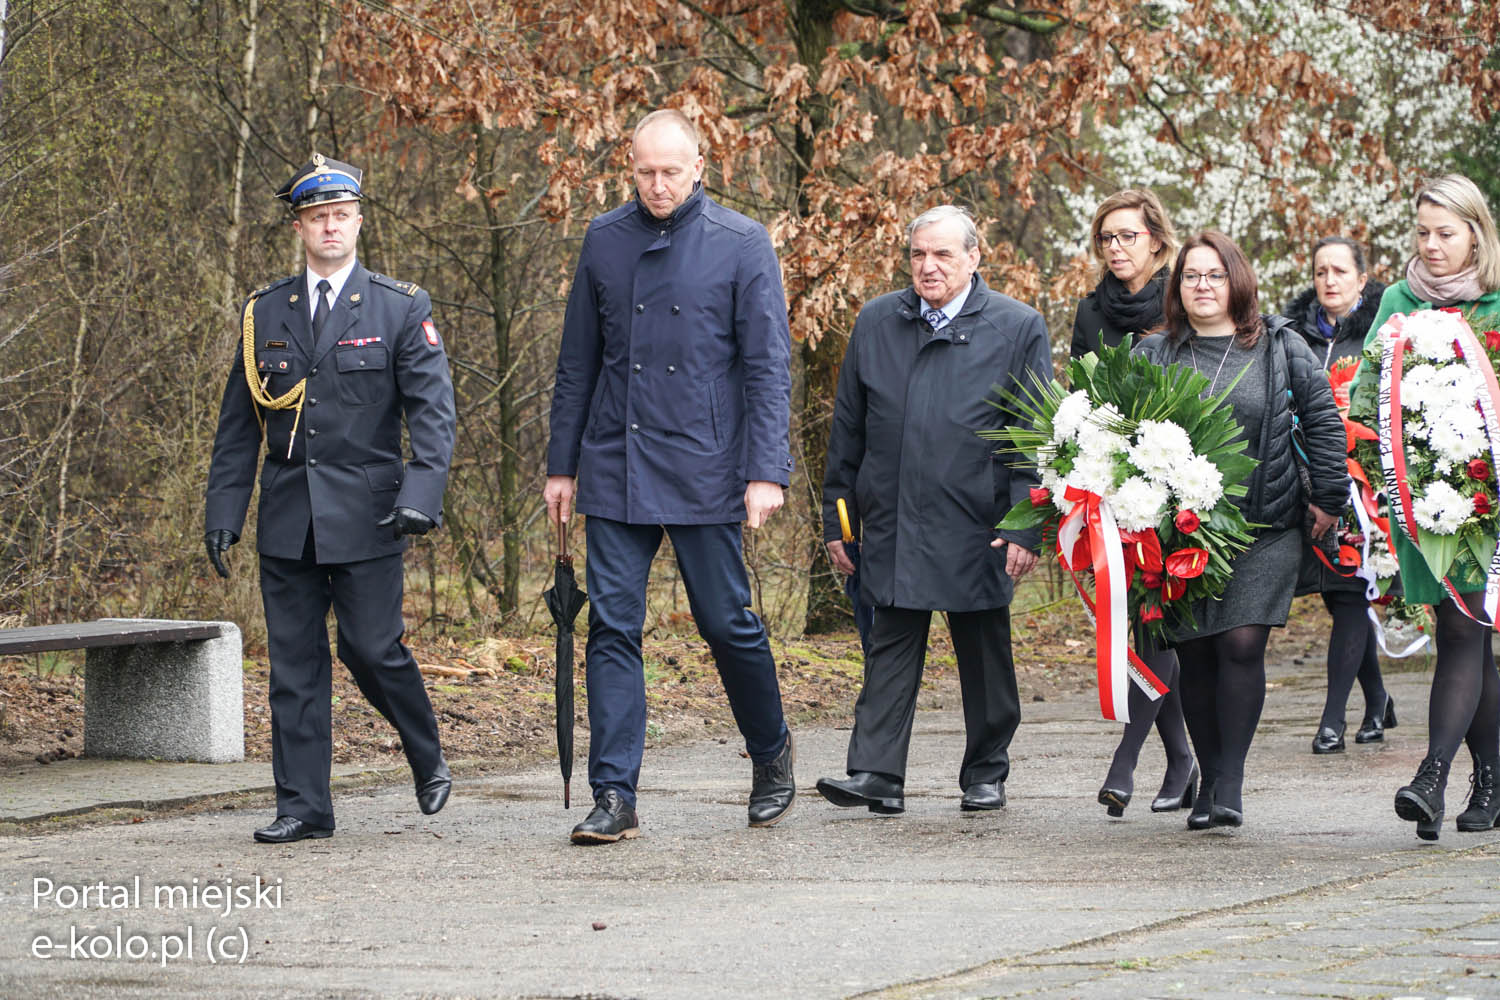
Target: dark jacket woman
{"points": [[1348, 339], [1109, 315], [1274, 497]]}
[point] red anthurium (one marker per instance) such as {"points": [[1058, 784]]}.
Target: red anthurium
{"points": [[1479, 469], [1482, 503], [1348, 555], [1187, 563], [1082, 556], [1152, 580], [1174, 588], [1142, 551], [1151, 613], [1339, 378], [1187, 522], [1492, 339]]}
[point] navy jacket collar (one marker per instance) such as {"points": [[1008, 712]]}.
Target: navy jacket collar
{"points": [[683, 213]]}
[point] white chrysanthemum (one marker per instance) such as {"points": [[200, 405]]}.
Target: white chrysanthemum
{"points": [[1419, 386], [1198, 484], [1098, 441], [1070, 416], [1093, 473], [1442, 510], [1432, 340], [1458, 435], [1383, 564], [1138, 503], [1159, 446]]}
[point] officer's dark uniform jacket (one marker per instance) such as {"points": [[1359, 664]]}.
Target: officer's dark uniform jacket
{"points": [[379, 358]]}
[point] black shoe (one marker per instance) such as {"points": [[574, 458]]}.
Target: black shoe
{"points": [[1167, 801], [432, 792], [1484, 801], [983, 795], [1201, 818], [772, 787], [1113, 800], [1372, 730], [1422, 800], [865, 788], [288, 829], [1329, 740], [610, 821]]}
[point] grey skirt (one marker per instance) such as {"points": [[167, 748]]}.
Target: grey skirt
{"points": [[1260, 587]]}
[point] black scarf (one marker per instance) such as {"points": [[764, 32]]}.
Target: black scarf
{"points": [[1132, 313]]}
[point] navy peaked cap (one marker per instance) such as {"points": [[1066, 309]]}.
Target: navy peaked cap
{"points": [[321, 180]]}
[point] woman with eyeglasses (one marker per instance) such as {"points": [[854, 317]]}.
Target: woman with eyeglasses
{"points": [[1214, 324], [1455, 264], [1333, 316], [1133, 240]]}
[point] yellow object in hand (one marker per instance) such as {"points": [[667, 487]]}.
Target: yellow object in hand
{"points": [[844, 519]]}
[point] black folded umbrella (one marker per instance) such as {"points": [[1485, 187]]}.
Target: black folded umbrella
{"points": [[564, 600]]}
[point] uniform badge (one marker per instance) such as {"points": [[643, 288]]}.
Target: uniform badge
{"points": [[354, 297], [283, 364], [432, 337], [293, 298], [275, 345]]}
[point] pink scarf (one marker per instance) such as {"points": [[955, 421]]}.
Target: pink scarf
{"points": [[1461, 286]]}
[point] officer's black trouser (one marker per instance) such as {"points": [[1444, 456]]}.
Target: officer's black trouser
{"points": [[366, 601]]}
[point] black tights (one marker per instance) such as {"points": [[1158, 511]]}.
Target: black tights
{"points": [[1166, 713], [1223, 691], [1351, 653], [1465, 701]]}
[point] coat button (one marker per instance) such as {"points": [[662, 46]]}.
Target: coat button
{"points": [[635, 368], [361, 363], [671, 369], [635, 428], [312, 432], [676, 310], [639, 308], [313, 401], [312, 373], [312, 461]]}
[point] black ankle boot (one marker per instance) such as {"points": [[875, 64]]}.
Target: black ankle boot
{"points": [[1484, 800], [1422, 800]]}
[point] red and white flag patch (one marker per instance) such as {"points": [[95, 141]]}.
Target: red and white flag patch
{"points": [[432, 337]]}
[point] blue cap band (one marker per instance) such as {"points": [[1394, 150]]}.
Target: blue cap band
{"points": [[325, 180]]}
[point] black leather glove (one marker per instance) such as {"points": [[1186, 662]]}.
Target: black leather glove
{"points": [[407, 522], [217, 542]]}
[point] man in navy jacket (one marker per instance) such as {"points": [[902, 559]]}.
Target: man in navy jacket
{"points": [[336, 358], [670, 414]]}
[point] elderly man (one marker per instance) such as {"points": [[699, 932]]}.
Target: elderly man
{"points": [[332, 361], [671, 409], [904, 453]]}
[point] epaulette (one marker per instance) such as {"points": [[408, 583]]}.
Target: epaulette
{"points": [[272, 286], [404, 287]]}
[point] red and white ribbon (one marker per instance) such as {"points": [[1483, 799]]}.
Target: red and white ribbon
{"points": [[1114, 659]]}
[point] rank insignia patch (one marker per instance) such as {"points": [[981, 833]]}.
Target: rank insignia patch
{"points": [[432, 337]]}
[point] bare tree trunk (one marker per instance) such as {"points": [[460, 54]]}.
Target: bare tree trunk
{"points": [[251, 23], [315, 74], [78, 389], [4, 6]]}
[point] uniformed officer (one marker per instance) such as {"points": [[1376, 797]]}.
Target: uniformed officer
{"points": [[330, 361], [671, 409]]}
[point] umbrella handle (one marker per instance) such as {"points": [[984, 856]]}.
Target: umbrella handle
{"points": [[562, 538]]}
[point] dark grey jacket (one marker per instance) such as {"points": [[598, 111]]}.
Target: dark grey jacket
{"points": [[380, 361], [1348, 333], [1274, 497], [904, 450]]}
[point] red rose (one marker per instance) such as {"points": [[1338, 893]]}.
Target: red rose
{"points": [[1187, 563], [1479, 469], [1151, 613], [1040, 497], [1492, 339], [1482, 503], [1187, 522]]}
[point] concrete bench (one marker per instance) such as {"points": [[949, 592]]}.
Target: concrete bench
{"points": [[163, 690]]}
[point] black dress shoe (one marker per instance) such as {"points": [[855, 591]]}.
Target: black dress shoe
{"points": [[865, 788], [1329, 740], [1372, 730], [288, 829], [983, 795], [1114, 801], [1201, 818], [772, 787], [433, 792], [610, 821], [1168, 801]]}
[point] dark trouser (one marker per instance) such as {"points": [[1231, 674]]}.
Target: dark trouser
{"points": [[366, 601], [893, 674], [713, 574]]}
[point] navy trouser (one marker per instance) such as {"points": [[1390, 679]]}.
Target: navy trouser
{"points": [[713, 574], [366, 601]]}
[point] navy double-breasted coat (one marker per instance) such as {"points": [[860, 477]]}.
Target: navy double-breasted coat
{"points": [[673, 388], [380, 360]]}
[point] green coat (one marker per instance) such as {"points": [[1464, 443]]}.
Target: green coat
{"points": [[1467, 575]]}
